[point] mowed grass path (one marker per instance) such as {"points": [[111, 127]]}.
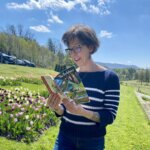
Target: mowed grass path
{"points": [[131, 129]]}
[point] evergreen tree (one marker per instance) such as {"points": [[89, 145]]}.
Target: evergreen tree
{"points": [[147, 76], [51, 45], [141, 75]]}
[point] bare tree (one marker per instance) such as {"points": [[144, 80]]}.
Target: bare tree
{"points": [[20, 30], [28, 35], [11, 30]]}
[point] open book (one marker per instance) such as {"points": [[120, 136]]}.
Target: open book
{"points": [[68, 84]]}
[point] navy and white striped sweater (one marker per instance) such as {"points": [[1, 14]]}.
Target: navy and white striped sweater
{"points": [[103, 89]]}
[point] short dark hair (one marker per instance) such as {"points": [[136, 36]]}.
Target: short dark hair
{"points": [[83, 33]]}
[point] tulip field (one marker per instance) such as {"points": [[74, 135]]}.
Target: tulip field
{"points": [[23, 113]]}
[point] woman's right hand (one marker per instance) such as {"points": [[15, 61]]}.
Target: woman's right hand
{"points": [[54, 101]]}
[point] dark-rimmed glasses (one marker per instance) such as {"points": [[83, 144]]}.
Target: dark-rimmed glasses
{"points": [[75, 49]]}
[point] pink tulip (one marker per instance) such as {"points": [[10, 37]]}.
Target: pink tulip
{"points": [[15, 119], [28, 128]]}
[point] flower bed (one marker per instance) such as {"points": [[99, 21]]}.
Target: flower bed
{"points": [[24, 115]]}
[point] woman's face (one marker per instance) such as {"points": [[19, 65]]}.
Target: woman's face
{"points": [[79, 52]]}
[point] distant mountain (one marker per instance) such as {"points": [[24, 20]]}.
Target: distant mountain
{"points": [[117, 66]]}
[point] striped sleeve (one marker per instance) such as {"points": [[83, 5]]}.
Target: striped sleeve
{"points": [[111, 100]]}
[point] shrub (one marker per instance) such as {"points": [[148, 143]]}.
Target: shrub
{"points": [[4, 81], [30, 80], [44, 94], [145, 98]]}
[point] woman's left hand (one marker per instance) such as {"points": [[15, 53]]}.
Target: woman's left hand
{"points": [[77, 109], [72, 107]]}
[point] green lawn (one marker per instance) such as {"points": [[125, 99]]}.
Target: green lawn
{"points": [[32, 87], [46, 142], [130, 131], [143, 88], [16, 71]]}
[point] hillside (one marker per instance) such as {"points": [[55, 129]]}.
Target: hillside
{"points": [[24, 48], [117, 66]]}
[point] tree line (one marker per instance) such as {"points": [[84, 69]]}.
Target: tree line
{"points": [[20, 42], [142, 75]]}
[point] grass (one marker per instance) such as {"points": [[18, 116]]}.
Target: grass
{"points": [[130, 131], [142, 88], [28, 72], [32, 87], [145, 90], [9, 70], [46, 142]]}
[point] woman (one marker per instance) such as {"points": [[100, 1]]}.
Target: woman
{"points": [[83, 127]]}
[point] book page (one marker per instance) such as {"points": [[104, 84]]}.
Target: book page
{"points": [[71, 85]]}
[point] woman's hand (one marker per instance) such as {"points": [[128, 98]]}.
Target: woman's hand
{"points": [[77, 109], [72, 107], [54, 102]]}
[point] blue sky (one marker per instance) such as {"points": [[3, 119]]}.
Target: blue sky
{"points": [[121, 25]]}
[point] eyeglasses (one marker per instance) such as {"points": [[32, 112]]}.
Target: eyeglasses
{"points": [[76, 50]]}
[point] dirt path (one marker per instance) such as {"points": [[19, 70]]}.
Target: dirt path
{"points": [[145, 104]]}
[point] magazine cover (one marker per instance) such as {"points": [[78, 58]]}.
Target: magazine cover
{"points": [[67, 83]]}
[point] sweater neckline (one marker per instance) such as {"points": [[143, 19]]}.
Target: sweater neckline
{"points": [[93, 71]]}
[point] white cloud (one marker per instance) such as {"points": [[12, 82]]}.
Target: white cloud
{"points": [[43, 4], [40, 28], [17, 6], [84, 7], [106, 12], [55, 19], [29, 5], [97, 7], [103, 2], [89, 7], [105, 34], [92, 9]]}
